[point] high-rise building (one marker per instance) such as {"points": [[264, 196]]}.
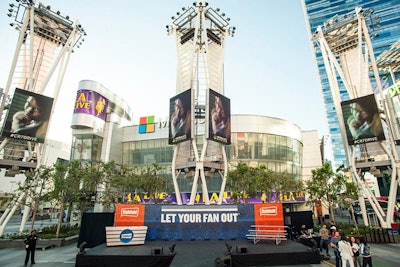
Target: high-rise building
{"points": [[384, 27]]}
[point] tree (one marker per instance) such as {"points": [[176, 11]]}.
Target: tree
{"points": [[153, 182], [245, 181], [66, 179], [326, 186], [118, 181], [240, 182], [35, 185]]}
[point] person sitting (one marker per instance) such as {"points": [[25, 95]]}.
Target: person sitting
{"points": [[303, 230]]}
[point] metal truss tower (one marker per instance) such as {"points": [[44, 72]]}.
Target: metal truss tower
{"points": [[346, 48], [45, 43], [201, 33]]}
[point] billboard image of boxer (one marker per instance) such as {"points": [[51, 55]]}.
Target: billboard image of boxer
{"points": [[28, 116], [362, 121], [219, 118], [180, 123]]}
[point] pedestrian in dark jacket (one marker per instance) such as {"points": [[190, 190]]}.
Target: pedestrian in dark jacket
{"points": [[30, 246]]}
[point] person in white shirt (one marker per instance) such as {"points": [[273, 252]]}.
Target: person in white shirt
{"points": [[346, 252], [356, 251]]}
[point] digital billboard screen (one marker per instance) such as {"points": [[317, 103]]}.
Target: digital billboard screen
{"points": [[362, 121], [219, 118], [28, 116], [180, 122], [91, 102]]}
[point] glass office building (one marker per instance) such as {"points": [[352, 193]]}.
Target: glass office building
{"points": [[385, 26], [255, 139]]}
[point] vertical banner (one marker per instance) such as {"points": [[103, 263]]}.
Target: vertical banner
{"points": [[268, 214], [219, 118], [362, 121], [91, 102], [180, 123], [28, 116], [129, 215]]}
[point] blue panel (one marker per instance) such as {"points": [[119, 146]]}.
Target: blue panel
{"points": [[142, 128], [200, 222]]}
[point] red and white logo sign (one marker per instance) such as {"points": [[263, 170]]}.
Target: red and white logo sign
{"points": [[268, 211], [129, 212]]}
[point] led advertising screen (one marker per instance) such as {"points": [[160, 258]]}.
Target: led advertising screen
{"points": [[180, 122], [28, 116], [91, 102], [362, 121], [219, 118]]}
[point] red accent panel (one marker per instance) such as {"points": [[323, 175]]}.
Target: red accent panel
{"points": [[143, 120], [268, 214], [129, 215]]}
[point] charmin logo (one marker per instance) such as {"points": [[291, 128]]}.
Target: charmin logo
{"points": [[129, 212], [126, 236], [146, 125], [268, 211]]}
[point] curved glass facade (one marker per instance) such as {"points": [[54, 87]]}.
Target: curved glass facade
{"points": [[272, 142], [279, 153]]}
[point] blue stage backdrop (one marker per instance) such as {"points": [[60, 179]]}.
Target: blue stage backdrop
{"points": [[198, 222]]}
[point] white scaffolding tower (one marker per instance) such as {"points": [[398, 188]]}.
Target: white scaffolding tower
{"points": [[45, 43], [346, 48], [200, 41]]}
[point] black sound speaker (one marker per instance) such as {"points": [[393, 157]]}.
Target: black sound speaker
{"points": [[241, 249], [156, 251]]}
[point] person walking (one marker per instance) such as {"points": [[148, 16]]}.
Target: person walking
{"points": [[365, 252], [30, 246]]}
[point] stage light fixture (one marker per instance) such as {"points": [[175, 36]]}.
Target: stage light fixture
{"points": [[11, 5], [228, 248], [172, 249], [82, 247]]}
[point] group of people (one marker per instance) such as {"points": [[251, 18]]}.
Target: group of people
{"points": [[346, 249]]}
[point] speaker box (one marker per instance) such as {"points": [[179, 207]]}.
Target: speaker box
{"points": [[156, 251], [241, 249]]}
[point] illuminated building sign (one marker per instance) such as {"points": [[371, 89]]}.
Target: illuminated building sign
{"points": [[146, 125], [90, 102]]}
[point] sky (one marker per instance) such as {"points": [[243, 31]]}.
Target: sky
{"points": [[269, 65]]}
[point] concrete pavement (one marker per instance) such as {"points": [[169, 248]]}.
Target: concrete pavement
{"points": [[384, 255]]}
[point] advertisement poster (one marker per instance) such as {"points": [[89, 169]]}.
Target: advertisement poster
{"points": [[91, 102], [219, 118], [362, 120], [28, 116], [180, 123]]}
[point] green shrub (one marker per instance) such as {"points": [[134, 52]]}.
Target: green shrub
{"points": [[46, 232]]}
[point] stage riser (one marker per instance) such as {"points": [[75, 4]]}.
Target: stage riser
{"points": [[275, 259], [123, 261]]}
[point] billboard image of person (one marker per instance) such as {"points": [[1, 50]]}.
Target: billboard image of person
{"points": [[180, 123], [219, 128], [91, 102], [362, 121], [28, 116]]}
